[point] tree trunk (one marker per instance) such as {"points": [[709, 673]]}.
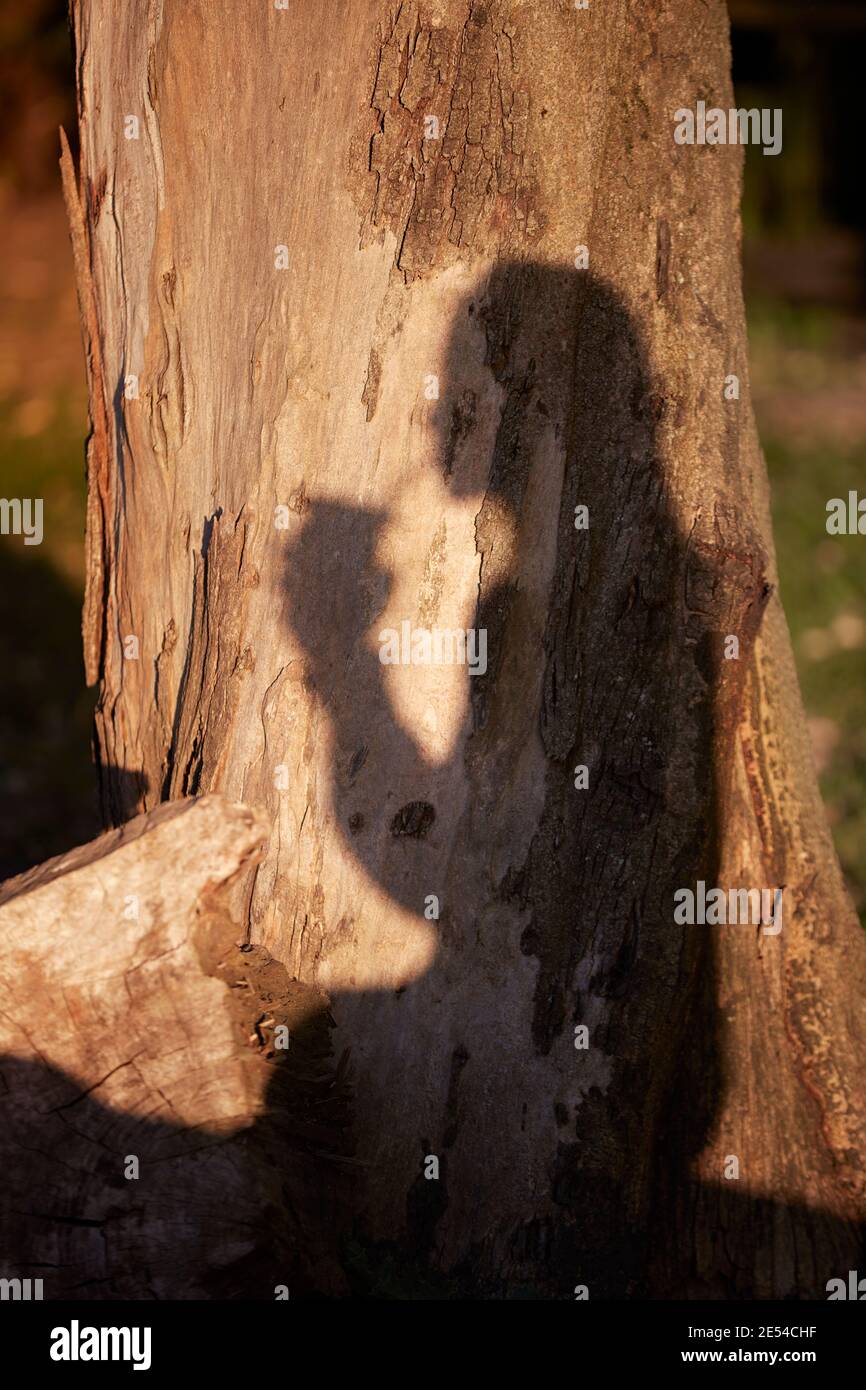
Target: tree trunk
{"points": [[350, 370]]}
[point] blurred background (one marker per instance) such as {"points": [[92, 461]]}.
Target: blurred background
{"points": [[805, 277]]}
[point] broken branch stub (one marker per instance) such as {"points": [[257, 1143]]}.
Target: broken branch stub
{"points": [[168, 1094]]}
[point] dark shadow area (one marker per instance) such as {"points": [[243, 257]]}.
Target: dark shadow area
{"points": [[233, 1216], [228, 1213], [48, 803]]}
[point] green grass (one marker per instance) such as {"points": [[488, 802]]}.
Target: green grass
{"points": [[821, 578], [800, 350]]}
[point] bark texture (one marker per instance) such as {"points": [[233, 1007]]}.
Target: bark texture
{"points": [[396, 423], [156, 1139]]}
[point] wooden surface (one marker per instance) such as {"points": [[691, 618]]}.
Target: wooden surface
{"points": [[134, 1032]]}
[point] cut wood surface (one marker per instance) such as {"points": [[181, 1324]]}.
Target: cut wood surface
{"points": [[146, 1143]]}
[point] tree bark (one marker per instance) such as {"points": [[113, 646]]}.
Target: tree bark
{"points": [[375, 378]]}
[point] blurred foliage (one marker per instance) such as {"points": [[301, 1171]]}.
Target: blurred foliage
{"points": [[47, 793], [36, 94]]}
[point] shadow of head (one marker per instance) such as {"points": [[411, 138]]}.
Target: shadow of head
{"points": [[586, 780], [545, 428], [582, 786]]}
